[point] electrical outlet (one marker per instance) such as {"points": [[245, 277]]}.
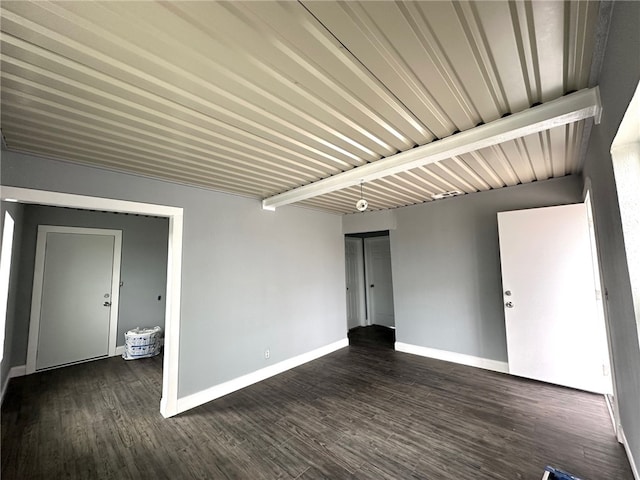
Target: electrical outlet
{"points": [[267, 354]]}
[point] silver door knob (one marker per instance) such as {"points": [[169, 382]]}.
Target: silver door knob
{"points": [[508, 293], [509, 304], [106, 304]]}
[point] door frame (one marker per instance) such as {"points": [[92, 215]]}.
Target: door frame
{"points": [[169, 401], [38, 284], [368, 262], [360, 287], [613, 409]]}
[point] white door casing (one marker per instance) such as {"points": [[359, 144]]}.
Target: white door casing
{"points": [[549, 296], [601, 313], [75, 270], [354, 271], [602, 307], [379, 281], [169, 402]]}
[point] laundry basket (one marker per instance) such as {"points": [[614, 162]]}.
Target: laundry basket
{"points": [[142, 343]]}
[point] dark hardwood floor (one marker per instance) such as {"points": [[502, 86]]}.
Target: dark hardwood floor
{"points": [[374, 336], [362, 413]]}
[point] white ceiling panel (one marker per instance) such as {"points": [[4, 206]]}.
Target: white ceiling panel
{"points": [[260, 98]]}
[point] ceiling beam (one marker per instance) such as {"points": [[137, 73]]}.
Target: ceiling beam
{"points": [[561, 111]]}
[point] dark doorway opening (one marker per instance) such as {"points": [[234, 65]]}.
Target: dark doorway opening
{"points": [[376, 336]]}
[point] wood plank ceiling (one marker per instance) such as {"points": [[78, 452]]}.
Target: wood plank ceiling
{"points": [[258, 98]]}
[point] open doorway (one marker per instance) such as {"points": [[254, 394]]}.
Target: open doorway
{"points": [[168, 403], [369, 281], [99, 273]]}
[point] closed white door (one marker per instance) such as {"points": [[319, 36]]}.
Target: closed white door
{"points": [[75, 284], [552, 327], [379, 281], [354, 271]]}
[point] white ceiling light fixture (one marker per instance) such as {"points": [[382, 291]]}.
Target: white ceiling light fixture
{"points": [[361, 204]]}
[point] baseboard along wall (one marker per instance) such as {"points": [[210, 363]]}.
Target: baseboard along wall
{"points": [[217, 391], [632, 460], [461, 358]]}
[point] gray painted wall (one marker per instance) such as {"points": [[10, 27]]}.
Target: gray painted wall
{"points": [[16, 211], [143, 269], [618, 80], [446, 267], [369, 221], [251, 279]]}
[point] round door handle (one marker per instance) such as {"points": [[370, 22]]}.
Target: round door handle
{"points": [[106, 304], [509, 304], [372, 285]]}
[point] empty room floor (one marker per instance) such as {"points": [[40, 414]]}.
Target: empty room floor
{"points": [[361, 413]]}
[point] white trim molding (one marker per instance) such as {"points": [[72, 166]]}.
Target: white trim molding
{"points": [[168, 404], [632, 460], [561, 111], [204, 396], [625, 154], [18, 371], [38, 282], [461, 358]]}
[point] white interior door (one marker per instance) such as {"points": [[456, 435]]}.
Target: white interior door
{"points": [[379, 281], [552, 326], [75, 298], [354, 271]]}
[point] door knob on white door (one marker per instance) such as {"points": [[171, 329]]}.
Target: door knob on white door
{"points": [[509, 304], [106, 304]]}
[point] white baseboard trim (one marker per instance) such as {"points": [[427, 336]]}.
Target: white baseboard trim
{"points": [[632, 461], [610, 407], [454, 357], [19, 371], [217, 391]]}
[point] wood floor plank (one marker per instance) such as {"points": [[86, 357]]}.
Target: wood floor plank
{"points": [[364, 412]]}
